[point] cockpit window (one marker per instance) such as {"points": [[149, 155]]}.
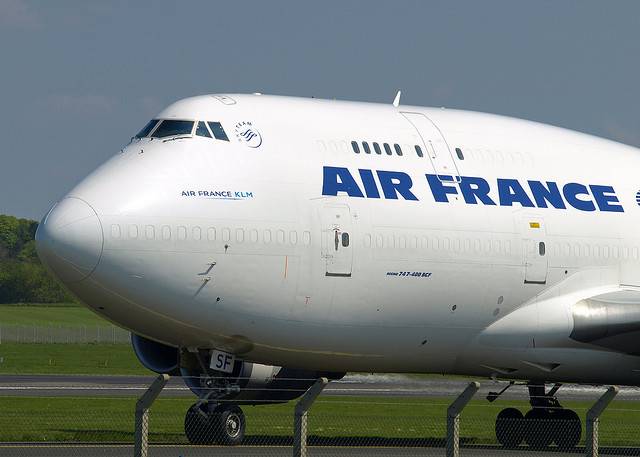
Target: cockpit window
{"points": [[218, 131], [163, 128], [147, 128], [202, 130], [170, 127]]}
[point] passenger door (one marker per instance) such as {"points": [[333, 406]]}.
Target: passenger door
{"points": [[435, 145], [336, 239], [535, 250]]}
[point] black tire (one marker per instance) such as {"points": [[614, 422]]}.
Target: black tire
{"points": [[197, 427], [537, 428], [228, 424], [567, 428], [509, 430]]}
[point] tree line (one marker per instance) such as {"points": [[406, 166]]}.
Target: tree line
{"points": [[23, 277]]}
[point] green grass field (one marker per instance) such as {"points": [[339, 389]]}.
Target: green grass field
{"points": [[118, 359], [64, 314], [335, 420], [103, 359]]}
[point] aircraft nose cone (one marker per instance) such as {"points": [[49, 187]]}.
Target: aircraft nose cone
{"points": [[69, 240]]}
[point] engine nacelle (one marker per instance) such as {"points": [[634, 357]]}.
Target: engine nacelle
{"points": [[155, 356], [249, 383]]}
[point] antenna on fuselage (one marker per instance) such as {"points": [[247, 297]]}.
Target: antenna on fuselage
{"points": [[396, 101]]}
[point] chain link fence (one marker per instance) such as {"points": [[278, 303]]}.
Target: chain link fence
{"points": [[64, 334], [106, 432]]}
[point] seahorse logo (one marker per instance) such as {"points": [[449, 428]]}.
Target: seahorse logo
{"points": [[246, 133]]}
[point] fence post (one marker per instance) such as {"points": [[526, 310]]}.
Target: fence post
{"points": [[453, 419], [300, 417], [141, 433], [591, 445]]}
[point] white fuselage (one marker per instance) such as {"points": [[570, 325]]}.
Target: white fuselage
{"points": [[453, 262]]}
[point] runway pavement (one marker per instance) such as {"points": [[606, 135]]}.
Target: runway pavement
{"points": [[104, 450], [351, 386]]}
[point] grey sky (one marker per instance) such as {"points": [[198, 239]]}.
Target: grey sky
{"points": [[79, 78]]}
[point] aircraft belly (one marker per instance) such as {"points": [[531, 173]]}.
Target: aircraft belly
{"points": [[374, 348]]}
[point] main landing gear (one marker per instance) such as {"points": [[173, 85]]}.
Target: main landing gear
{"points": [[208, 423], [545, 423]]}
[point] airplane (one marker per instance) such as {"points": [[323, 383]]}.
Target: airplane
{"points": [[254, 243]]}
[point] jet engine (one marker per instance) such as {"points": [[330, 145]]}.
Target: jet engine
{"points": [[248, 383]]}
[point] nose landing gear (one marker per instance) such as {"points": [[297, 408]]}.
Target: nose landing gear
{"points": [[545, 423]]}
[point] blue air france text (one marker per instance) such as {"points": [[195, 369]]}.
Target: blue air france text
{"points": [[473, 190]]}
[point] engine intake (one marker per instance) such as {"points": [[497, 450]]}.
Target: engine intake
{"points": [[249, 383], [156, 356]]}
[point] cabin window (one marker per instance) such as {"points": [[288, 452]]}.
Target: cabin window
{"points": [[397, 148], [166, 232], [367, 240], [115, 231], [387, 149], [171, 127], [133, 231], [542, 249], [182, 233], [376, 147], [366, 147], [419, 151], [202, 130], [459, 154], [218, 131], [355, 147]]}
